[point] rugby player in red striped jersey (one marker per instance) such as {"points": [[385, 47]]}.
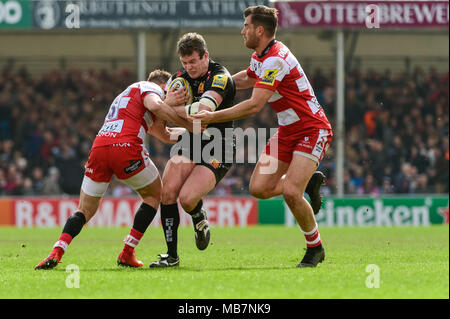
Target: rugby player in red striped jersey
{"points": [[304, 133], [118, 149]]}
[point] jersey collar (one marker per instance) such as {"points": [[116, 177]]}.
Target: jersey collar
{"points": [[267, 48]]}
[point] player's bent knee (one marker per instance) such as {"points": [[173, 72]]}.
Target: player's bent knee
{"points": [[291, 193], [188, 202], [169, 195], [152, 190], [260, 192], [88, 206], [152, 201], [151, 195]]}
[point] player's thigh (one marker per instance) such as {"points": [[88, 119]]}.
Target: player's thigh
{"points": [[97, 173], [143, 178], [310, 148], [267, 174], [147, 183], [298, 175], [96, 180], [151, 194], [88, 205], [175, 174], [200, 182]]}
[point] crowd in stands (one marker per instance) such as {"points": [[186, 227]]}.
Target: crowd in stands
{"points": [[396, 137]]}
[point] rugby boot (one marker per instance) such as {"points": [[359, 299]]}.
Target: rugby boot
{"points": [[53, 259], [165, 261], [313, 191], [128, 260], [313, 256], [202, 234]]}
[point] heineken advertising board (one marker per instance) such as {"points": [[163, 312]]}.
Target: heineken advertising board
{"points": [[365, 211], [15, 14], [236, 211]]}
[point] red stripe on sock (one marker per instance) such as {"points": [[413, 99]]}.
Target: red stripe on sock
{"points": [[136, 234], [314, 245], [313, 236], [65, 237]]}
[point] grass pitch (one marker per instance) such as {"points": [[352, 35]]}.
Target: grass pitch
{"points": [[249, 263]]}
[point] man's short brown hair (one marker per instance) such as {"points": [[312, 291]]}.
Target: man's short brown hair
{"points": [[263, 16], [190, 43], [159, 76]]}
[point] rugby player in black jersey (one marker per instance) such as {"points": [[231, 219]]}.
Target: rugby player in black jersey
{"points": [[193, 171]]}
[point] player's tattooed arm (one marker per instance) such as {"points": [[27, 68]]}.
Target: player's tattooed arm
{"points": [[243, 81]]}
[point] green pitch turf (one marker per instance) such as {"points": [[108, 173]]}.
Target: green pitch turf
{"points": [[254, 262]]}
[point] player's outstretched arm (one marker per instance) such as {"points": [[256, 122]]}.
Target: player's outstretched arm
{"points": [[181, 111], [155, 105], [243, 81], [209, 101], [246, 108], [163, 133]]}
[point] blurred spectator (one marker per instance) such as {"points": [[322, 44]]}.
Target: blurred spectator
{"points": [[369, 186], [27, 189], [71, 170], [403, 179], [50, 186], [37, 179], [387, 187], [396, 138]]}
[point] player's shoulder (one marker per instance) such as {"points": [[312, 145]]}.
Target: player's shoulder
{"points": [[219, 77], [279, 51], [149, 87], [180, 74], [279, 57], [217, 68]]}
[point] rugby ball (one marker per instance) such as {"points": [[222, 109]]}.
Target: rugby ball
{"points": [[181, 82]]}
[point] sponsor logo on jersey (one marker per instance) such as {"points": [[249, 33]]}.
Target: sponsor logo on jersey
{"points": [[134, 165], [209, 75], [282, 53], [201, 88], [220, 81], [215, 163], [255, 66], [269, 77]]}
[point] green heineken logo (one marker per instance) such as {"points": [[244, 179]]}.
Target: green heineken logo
{"points": [[15, 14], [383, 211]]}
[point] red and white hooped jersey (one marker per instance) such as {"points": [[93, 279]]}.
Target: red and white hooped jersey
{"points": [[293, 99], [128, 120]]}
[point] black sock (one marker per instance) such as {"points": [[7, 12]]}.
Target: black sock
{"points": [[74, 224], [170, 220], [143, 218], [196, 217]]}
